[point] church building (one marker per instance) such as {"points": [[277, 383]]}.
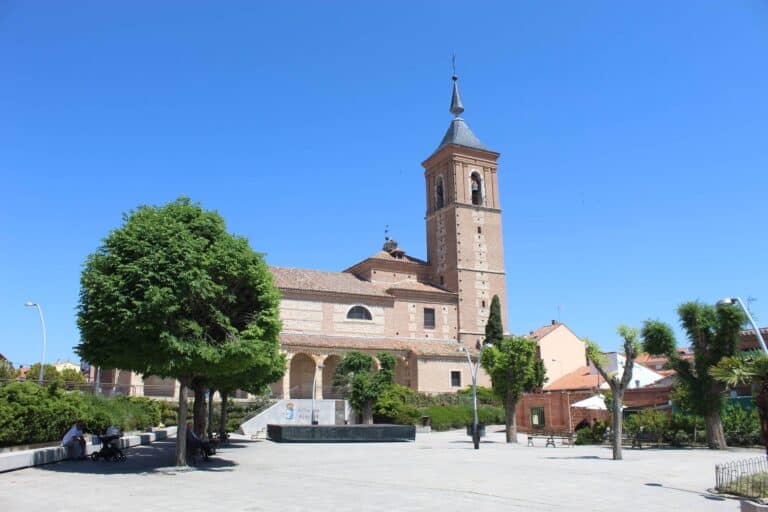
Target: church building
{"points": [[422, 312]]}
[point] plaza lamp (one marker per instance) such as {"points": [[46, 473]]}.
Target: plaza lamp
{"points": [[735, 300], [42, 322], [473, 372]]}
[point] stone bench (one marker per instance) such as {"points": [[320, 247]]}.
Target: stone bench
{"points": [[13, 460]]}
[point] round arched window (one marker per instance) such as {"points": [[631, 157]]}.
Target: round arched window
{"points": [[359, 313]]}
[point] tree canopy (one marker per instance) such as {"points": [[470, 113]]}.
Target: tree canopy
{"points": [[514, 369], [713, 334], [171, 293]]}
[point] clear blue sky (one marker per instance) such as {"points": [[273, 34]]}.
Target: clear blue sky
{"points": [[633, 140]]}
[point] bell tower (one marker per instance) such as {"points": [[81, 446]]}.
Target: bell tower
{"points": [[464, 236]]}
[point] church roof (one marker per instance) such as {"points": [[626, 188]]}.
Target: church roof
{"points": [[300, 279]]}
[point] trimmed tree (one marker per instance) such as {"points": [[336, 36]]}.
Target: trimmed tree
{"points": [[514, 369], [747, 369], [171, 293], [361, 382], [617, 382], [713, 334]]}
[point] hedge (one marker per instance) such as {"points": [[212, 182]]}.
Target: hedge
{"points": [[33, 414]]}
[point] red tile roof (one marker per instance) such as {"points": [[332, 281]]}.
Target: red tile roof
{"points": [[416, 286], [426, 348], [581, 378], [319, 281], [543, 331]]}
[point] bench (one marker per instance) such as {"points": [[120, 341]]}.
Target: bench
{"points": [[551, 438]]}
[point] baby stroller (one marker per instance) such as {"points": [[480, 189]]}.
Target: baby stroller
{"points": [[110, 446]]}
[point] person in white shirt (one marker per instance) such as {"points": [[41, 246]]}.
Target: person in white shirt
{"points": [[74, 441]]}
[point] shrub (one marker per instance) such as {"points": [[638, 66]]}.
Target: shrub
{"points": [[396, 405], [485, 396], [741, 427], [592, 435], [33, 414], [446, 417]]}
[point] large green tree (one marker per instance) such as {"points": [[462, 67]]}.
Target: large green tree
{"points": [[617, 381], [713, 334], [362, 383], [171, 293], [514, 369]]}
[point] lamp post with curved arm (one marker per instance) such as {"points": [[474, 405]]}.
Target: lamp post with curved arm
{"points": [[42, 322], [473, 372], [735, 300]]}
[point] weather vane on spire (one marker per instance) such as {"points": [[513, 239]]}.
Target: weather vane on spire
{"points": [[456, 107]]}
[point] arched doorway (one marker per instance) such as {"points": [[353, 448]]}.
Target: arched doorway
{"points": [[302, 375], [331, 363]]}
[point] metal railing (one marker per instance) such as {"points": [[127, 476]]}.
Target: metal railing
{"points": [[747, 477]]}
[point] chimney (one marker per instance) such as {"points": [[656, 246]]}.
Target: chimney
{"points": [[554, 322]]}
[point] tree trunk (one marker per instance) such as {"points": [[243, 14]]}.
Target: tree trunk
{"points": [[715, 435], [510, 418], [210, 413], [762, 408], [618, 401], [199, 409], [367, 414], [181, 430], [223, 418]]}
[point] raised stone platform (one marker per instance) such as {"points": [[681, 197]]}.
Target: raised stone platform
{"points": [[341, 433]]}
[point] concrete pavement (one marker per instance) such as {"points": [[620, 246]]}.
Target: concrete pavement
{"points": [[440, 471]]}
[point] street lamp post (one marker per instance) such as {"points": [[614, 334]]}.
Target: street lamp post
{"points": [[314, 388], [473, 372], [735, 300], [42, 322]]}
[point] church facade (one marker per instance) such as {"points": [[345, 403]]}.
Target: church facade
{"points": [[425, 313]]}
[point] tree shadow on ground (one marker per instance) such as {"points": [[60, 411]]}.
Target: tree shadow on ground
{"points": [[147, 459], [576, 457], [704, 495]]}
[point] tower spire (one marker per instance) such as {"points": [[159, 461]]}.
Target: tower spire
{"points": [[456, 107]]}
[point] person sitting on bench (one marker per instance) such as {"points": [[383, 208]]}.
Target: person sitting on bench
{"points": [[195, 443], [74, 440]]}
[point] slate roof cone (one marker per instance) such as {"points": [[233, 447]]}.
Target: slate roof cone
{"points": [[459, 132]]}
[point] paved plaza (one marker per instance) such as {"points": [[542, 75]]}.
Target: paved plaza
{"points": [[440, 471]]}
